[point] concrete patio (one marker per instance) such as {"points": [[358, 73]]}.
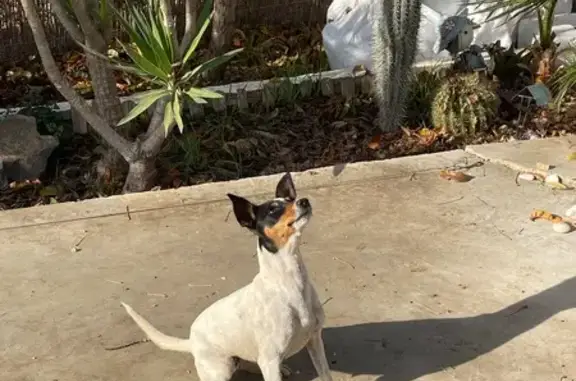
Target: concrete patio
{"points": [[423, 278]]}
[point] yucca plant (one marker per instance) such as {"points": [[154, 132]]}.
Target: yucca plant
{"points": [[155, 55]]}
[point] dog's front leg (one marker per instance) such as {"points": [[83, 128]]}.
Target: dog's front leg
{"points": [[270, 365], [317, 354]]}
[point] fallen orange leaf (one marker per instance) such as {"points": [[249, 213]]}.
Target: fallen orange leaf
{"points": [[457, 176], [539, 214], [376, 142]]}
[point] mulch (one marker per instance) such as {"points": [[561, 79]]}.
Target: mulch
{"points": [[295, 137]]}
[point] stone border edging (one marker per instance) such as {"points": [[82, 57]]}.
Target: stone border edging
{"points": [[216, 192], [346, 82]]}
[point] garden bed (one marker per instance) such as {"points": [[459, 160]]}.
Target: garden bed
{"points": [[269, 52], [293, 137]]}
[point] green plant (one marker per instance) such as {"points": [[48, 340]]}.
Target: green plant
{"points": [[423, 87], [564, 80], [191, 157], [464, 104], [510, 67], [516, 9], [156, 55], [544, 51], [395, 35]]}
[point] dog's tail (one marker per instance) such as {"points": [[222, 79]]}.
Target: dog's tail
{"points": [[163, 341]]}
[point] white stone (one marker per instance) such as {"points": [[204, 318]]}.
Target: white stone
{"points": [[527, 177], [562, 227]]}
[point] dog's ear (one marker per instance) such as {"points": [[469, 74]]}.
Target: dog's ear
{"points": [[285, 188], [244, 211]]}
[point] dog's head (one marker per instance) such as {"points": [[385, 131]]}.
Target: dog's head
{"points": [[277, 220]]}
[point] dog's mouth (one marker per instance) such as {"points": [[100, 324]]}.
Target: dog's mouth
{"points": [[307, 213]]}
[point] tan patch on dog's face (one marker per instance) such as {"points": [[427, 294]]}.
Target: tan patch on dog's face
{"points": [[281, 232]]}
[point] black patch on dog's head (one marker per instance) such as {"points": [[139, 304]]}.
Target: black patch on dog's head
{"points": [[271, 221]]}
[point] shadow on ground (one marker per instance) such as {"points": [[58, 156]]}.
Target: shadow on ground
{"points": [[407, 350]]}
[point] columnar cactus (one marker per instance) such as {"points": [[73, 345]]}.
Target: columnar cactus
{"points": [[395, 43]]}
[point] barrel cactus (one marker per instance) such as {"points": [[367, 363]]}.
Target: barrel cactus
{"points": [[464, 104], [395, 43]]}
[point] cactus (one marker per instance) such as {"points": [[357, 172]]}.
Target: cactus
{"points": [[464, 104], [395, 43]]}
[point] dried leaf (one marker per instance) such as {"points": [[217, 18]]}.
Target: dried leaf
{"points": [[358, 68], [555, 185], [457, 176], [406, 131], [376, 142], [339, 124], [17, 185], [49, 191], [571, 156], [427, 136], [540, 214]]}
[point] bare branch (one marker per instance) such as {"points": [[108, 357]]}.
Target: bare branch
{"points": [[123, 146], [224, 19], [93, 37], [66, 20], [190, 26]]}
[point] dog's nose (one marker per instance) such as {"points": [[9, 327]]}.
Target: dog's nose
{"points": [[303, 203]]}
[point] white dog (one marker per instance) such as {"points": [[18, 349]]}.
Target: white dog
{"points": [[268, 320]]}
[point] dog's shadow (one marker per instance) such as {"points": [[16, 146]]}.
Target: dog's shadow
{"points": [[407, 350]]}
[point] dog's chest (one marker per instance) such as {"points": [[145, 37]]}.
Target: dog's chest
{"points": [[305, 319]]}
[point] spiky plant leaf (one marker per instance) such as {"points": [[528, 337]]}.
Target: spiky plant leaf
{"points": [[177, 111], [508, 9], [146, 100], [202, 93], [203, 21], [168, 116], [564, 80], [213, 63]]}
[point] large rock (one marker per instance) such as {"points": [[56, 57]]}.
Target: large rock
{"points": [[23, 151]]}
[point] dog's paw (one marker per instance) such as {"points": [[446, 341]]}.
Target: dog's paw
{"points": [[285, 370]]}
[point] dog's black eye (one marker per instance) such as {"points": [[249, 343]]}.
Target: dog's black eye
{"points": [[273, 208]]}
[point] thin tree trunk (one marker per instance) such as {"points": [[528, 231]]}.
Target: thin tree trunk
{"points": [[223, 24], [142, 171], [191, 14], [106, 100], [141, 175], [112, 166], [123, 146]]}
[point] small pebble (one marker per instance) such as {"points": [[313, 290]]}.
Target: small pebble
{"points": [[571, 212], [526, 177], [555, 181], [562, 227]]}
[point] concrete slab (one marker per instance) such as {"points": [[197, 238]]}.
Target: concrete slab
{"points": [[424, 279], [526, 154]]}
